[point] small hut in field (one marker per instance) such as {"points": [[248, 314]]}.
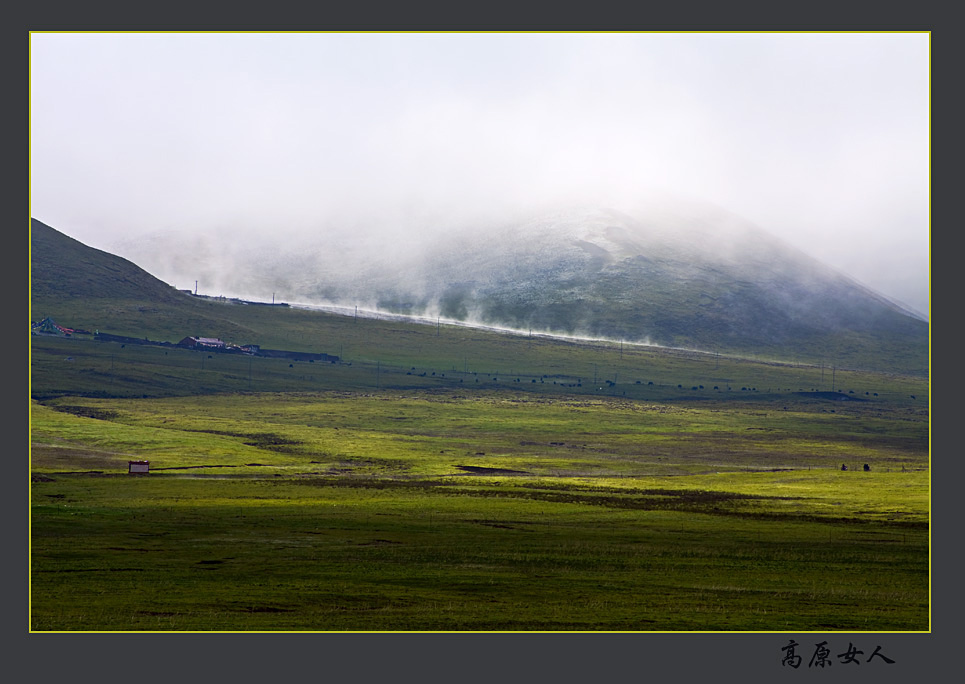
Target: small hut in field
{"points": [[138, 467]]}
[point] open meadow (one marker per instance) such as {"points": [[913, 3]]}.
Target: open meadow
{"points": [[573, 487]]}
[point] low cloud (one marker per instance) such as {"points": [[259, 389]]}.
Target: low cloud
{"points": [[390, 139]]}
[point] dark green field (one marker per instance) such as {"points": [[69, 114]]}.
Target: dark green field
{"points": [[174, 552], [444, 478]]}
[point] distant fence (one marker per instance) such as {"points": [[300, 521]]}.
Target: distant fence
{"points": [[296, 356], [107, 337]]}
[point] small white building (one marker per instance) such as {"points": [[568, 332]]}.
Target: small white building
{"points": [[137, 467], [203, 343]]}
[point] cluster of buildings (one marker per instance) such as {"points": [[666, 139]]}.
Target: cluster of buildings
{"points": [[216, 344], [211, 344]]}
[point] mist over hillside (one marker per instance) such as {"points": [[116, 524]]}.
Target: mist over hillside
{"points": [[669, 273]]}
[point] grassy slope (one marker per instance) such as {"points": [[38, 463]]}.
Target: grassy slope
{"points": [[677, 304], [126, 301], [63, 268], [88, 289], [379, 355]]}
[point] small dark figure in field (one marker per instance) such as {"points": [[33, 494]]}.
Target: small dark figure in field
{"points": [[867, 468], [844, 467]]}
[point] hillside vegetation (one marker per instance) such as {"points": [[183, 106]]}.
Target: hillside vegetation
{"points": [[88, 289], [680, 275]]}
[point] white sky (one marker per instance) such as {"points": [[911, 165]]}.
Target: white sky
{"points": [[822, 139]]}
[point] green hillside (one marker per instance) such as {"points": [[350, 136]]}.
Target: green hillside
{"points": [[63, 268], [702, 280], [124, 300], [686, 275], [89, 289]]}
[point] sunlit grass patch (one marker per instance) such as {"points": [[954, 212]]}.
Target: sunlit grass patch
{"points": [[391, 511]]}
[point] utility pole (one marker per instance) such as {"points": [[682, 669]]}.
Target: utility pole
{"points": [[196, 287]]}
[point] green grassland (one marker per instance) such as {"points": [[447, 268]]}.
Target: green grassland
{"points": [[489, 511], [180, 553], [377, 354], [447, 478]]}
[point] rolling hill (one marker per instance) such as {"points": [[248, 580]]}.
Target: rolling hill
{"points": [[700, 280], [64, 268], [87, 288], [680, 275]]}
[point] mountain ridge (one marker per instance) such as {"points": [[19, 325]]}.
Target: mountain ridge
{"points": [[729, 286]]}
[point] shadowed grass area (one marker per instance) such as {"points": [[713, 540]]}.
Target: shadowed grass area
{"points": [[492, 511], [237, 554], [376, 355]]}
